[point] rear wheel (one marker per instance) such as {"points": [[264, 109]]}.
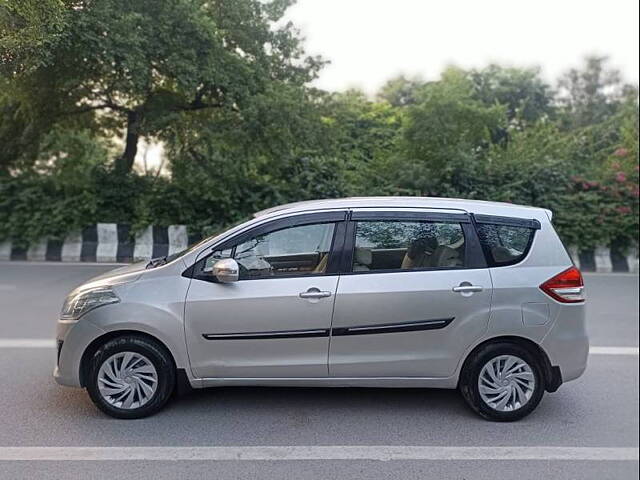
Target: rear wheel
{"points": [[130, 377], [502, 382]]}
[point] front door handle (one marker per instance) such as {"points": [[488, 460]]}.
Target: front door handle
{"points": [[314, 293], [467, 288]]}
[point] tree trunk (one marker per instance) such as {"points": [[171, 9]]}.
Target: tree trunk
{"points": [[124, 163]]}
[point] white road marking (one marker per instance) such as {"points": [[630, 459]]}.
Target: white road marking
{"points": [[613, 351], [40, 263], [27, 343], [50, 343], [609, 274], [296, 453]]}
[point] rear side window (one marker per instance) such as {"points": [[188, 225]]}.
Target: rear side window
{"points": [[505, 244], [399, 245]]}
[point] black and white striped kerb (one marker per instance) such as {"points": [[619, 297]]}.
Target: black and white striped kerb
{"points": [[124, 252], [160, 242], [103, 242], [586, 260], [604, 259], [89, 244]]}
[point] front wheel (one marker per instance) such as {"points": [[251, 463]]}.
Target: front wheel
{"points": [[130, 377], [502, 382]]}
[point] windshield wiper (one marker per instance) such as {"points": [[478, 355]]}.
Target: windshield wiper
{"points": [[156, 262]]}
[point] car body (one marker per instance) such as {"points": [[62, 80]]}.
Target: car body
{"points": [[375, 292]]}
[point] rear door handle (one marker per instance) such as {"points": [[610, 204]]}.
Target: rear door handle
{"points": [[314, 293], [467, 288]]}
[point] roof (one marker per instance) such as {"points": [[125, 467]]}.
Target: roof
{"points": [[455, 204]]}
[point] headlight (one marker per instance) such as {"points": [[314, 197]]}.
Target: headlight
{"points": [[77, 305]]}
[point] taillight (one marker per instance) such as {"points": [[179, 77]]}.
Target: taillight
{"points": [[566, 287]]}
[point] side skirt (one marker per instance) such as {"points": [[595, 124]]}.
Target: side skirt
{"points": [[369, 382]]}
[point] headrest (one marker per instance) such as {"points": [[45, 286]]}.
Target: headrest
{"points": [[363, 256], [501, 254]]}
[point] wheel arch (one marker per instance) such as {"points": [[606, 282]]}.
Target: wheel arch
{"points": [[552, 375], [182, 381]]}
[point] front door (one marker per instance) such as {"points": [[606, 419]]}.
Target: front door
{"points": [[415, 295], [275, 321]]}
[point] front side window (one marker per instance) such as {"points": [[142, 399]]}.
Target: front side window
{"points": [[299, 250], [215, 256], [407, 245], [504, 244]]}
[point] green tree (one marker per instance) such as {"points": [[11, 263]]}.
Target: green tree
{"points": [[525, 95], [139, 66], [592, 94], [400, 91], [224, 85], [279, 150], [448, 127], [362, 133]]}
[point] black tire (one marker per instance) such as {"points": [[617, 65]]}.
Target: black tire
{"points": [[157, 355], [469, 389]]}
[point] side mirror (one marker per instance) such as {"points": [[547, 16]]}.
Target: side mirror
{"points": [[226, 270]]}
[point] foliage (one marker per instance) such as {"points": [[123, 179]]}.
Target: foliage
{"points": [[446, 127], [363, 134], [139, 66], [224, 86], [400, 91], [526, 97], [593, 94]]}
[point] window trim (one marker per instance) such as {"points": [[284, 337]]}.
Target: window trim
{"points": [[474, 257], [399, 216], [507, 221], [338, 218]]}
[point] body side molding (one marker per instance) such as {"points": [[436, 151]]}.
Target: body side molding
{"points": [[434, 324]]}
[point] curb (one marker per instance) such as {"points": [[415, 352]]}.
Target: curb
{"points": [[605, 260], [103, 243]]}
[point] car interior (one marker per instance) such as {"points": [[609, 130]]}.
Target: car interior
{"points": [[386, 245], [421, 253]]}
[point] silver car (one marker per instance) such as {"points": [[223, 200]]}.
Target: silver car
{"points": [[363, 292]]}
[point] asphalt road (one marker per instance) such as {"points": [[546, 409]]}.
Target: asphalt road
{"points": [[600, 410]]}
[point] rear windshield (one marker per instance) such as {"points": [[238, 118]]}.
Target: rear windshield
{"points": [[504, 244]]}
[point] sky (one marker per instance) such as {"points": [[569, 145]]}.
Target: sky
{"points": [[370, 41]]}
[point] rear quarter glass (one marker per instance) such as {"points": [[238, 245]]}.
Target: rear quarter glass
{"points": [[519, 241], [505, 244]]}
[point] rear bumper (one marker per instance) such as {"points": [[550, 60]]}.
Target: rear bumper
{"points": [[554, 379], [568, 356], [567, 343]]}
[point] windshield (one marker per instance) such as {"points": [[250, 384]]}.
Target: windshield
{"points": [[174, 256]]}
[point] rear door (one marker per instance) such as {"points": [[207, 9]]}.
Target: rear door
{"points": [[414, 294]]}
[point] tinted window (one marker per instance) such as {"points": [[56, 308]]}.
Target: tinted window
{"points": [[398, 245], [300, 250], [504, 245]]}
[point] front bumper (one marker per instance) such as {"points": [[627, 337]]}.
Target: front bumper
{"points": [[72, 339]]}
